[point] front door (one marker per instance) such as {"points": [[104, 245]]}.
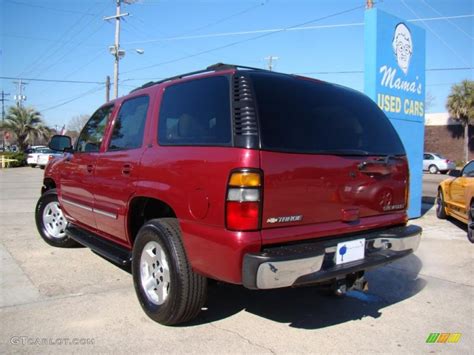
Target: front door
{"points": [[77, 173], [117, 168], [459, 185]]}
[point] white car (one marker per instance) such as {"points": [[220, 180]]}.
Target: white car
{"points": [[434, 162], [40, 157]]}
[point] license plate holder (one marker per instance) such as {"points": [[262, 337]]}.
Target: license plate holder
{"points": [[350, 251]]}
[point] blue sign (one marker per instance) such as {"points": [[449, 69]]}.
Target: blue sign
{"points": [[395, 80]]}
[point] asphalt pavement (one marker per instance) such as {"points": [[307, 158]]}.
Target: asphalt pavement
{"points": [[70, 300]]}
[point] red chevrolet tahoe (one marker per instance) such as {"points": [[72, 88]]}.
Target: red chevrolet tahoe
{"points": [[234, 174]]}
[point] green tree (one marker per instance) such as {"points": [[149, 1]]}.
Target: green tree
{"points": [[26, 124], [460, 106]]}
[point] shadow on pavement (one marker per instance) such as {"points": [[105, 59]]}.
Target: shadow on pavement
{"points": [[427, 202], [308, 308]]}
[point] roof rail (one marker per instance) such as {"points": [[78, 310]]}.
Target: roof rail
{"points": [[214, 67]]}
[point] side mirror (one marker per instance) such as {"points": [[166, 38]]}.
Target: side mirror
{"points": [[60, 143], [455, 173]]}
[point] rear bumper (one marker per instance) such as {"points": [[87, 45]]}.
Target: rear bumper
{"points": [[313, 262]]}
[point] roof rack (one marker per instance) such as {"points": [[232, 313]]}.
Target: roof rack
{"points": [[214, 67]]}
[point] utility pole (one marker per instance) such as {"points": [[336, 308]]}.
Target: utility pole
{"points": [[107, 89], [3, 99], [270, 61], [115, 49], [19, 97]]}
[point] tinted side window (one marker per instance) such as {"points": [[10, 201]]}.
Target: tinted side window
{"points": [[93, 132], [130, 124], [304, 116], [196, 112]]}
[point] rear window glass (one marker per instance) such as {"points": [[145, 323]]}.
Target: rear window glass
{"points": [[303, 116], [196, 112]]}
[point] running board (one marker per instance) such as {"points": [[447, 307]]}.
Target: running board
{"points": [[109, 250]]}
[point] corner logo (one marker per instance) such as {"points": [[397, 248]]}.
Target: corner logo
{"points": [[402, 46]]}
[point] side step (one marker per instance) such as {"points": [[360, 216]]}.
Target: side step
{"points": [[111, 251]]}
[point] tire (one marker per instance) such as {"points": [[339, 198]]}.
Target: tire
{"points": [[42, 167], [470, 223], [433, 169], [33, 165], [440, 205], [51, 222], [174, 293]]}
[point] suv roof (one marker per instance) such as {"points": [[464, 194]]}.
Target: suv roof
{"points": [[212, 68]]}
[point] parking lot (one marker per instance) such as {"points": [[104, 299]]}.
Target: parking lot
{"points": [[68, 294]]}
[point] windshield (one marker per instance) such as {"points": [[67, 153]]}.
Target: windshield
{"points": [[304, 116]]}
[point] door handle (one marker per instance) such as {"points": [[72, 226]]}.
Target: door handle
{"points": [[90, 168], [126, 169]]}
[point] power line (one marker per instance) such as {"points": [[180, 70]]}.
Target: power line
{"points": [[248, 39], [299, 28], [447, 19], [46, 54], [89, 92], [362, 72], [55, 80], [251, 8], [48, 8], [433, 32]]}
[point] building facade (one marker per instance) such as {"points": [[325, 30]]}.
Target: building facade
{"points": [[445, 135]]}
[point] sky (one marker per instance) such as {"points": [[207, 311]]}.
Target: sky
{"points": [[68, 40]]}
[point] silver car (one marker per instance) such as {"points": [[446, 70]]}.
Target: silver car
{"points": [[434, 162]]}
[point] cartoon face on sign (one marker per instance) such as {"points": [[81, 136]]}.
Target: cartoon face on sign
{"points": [[402, 46]]}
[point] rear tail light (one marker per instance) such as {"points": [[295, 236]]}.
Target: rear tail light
{"points": [[243, 202]]}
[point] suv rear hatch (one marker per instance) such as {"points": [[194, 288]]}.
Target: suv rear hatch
{"points": [[328, 154]]}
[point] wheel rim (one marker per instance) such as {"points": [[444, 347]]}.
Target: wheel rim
{"points": [[54, 221], [155, 273], [470, 222], [439, 204], [433, 169]]}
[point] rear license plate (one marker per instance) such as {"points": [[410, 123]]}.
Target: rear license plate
{"points": [[350, 251]]}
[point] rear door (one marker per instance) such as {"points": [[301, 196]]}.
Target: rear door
{"points": [[77, 171], [117, 168], [329, 154]]}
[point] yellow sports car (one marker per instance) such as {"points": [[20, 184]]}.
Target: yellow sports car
{"points": [[456, 197]]}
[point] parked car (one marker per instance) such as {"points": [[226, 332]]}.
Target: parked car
{"points": [[235, 174], [434, 163], [456, 197], [33, 148], [40, 157]]}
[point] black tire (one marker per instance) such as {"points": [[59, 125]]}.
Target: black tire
{"points": [[42, 167], [61, 240], [433, 169], [470, 223], [186, 290], [33, 165], [440, 205]]}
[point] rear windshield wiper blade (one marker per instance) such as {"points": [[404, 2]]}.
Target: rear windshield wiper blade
{"points": [[382, 161]]}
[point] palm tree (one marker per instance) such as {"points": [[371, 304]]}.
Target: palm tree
{"points": [[26, 124], [460, 106]]}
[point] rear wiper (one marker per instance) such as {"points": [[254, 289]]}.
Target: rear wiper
{"points": [[384, 161], [346, 152]]}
